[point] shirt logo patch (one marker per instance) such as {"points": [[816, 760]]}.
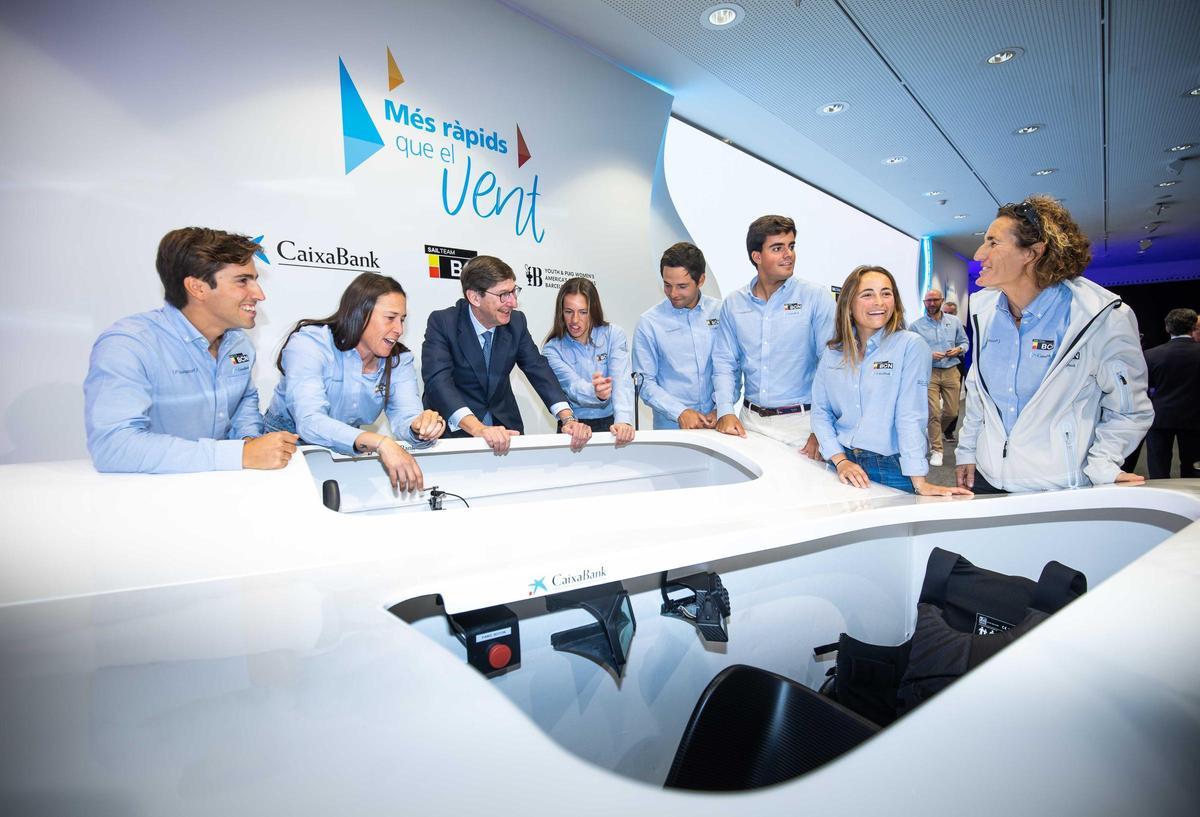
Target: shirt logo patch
{"points": [[237, 358], [713, 321], [792, 307], [1042, 345], [379, 387], [882, 365], [603, 356]]}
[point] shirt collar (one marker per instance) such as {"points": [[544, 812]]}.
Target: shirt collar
{"points": [[785, 287], [874, 341], [479, 327], [182, 327], [1046, 300]]}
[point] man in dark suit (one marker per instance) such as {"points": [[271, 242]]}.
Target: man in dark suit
{"points": [[1175, 392], [469, 350]]}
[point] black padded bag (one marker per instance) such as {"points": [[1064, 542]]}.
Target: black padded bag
{"points": [[965, 615], [752, 728]]}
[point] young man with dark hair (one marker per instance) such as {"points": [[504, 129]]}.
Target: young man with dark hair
{"points": [[1174, 387], [470, 349], [672, 347], [169, 390], [771, 336]]}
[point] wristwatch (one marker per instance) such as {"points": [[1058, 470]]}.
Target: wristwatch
{"points": [[570, 418]]}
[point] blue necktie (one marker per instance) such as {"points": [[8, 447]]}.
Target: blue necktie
{"points": [[487, 349]]}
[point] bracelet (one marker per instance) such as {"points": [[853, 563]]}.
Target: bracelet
{"points": [[838, 464]]}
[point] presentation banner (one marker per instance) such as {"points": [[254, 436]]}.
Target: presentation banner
{"points": [[397, 137]]}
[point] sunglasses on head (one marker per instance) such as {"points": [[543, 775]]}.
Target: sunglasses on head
{"points": [[1029, 214]]}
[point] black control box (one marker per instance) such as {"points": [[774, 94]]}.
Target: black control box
{"points": [[492, 636]]}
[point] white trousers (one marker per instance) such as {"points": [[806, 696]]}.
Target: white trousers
{"points": [[789, 429]]}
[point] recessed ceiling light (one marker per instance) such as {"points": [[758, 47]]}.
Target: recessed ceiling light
{"points": [[1181, 148], [932, 193], [722, 16], [1167, 184], [833, 108], [960, 215], [979, 232], [1194, 92], [1001, 57], [895, 160], [1029, 129], [1045, 171]]}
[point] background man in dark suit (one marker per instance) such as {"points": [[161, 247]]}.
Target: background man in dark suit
{"points": [[469, 350], [1175, 392]]}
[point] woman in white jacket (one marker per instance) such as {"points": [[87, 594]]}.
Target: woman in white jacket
{"points": [[1056, 397]]}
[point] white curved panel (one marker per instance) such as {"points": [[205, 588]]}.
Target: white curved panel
{"points": [[718, 190]]}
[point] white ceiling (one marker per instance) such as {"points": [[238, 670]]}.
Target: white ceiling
{"points": [[1106, 79]]}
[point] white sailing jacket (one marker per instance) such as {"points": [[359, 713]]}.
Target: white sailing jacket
{"points": [[1087, 416]]}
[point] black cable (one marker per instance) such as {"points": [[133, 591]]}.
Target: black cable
{"points": [[435, 494]]}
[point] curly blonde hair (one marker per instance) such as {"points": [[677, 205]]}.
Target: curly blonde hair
{"points": [[1068, 251]]}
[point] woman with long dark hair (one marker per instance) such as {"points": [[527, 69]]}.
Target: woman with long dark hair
{"points": [[590, 357], [339, 372], [869, 404]]}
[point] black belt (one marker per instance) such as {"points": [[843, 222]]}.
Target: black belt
{"points": [[799, 408]]}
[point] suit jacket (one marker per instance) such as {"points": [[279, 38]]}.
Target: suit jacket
{"points": [[454, 374], [1175, 383]]}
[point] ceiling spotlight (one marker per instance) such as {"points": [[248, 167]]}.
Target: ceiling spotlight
{"points": [[932, 193], [722, 16], [960, 215], [1194, 92], [895, 160], [1001, 57], [1167, 184], [833, 108], [1152, 226], [1144, 245], [1029, 129], [1045, 171], [1181, 148]]}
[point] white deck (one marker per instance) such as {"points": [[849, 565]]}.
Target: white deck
{"points": [[222, 643]]}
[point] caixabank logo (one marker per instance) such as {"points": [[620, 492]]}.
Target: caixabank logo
{"points": [[291, 253], [465, 151]]}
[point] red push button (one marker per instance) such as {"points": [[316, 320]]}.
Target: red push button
{"points": [[499, 655]]}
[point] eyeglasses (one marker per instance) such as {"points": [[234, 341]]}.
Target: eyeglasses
{"points": [[508, 294], [1029, 213]]}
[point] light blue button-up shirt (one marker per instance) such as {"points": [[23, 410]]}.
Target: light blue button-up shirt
{"points": [[942, 335], [771, 346], [1013, 360], [574, 363], [156, 401], [672, 349], [455, 418], [324, 396], [881, 406]]}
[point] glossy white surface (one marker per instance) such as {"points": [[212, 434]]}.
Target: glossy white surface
{"points": [[221, 643]]}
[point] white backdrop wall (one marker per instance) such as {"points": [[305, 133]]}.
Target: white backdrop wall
{"points": [[124, 120], [718, 190]]}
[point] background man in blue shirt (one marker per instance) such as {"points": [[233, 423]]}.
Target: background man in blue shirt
{"points": [[770, 339], [170, 390], [947, 342], [672, 347]]}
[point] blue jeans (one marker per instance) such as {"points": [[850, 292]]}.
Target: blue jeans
{"points": [[882, 469]]}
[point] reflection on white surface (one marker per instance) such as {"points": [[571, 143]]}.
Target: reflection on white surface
{"points": [[529, 474]]}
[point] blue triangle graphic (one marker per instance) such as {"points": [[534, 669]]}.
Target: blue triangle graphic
{"points": [[360, 136]]}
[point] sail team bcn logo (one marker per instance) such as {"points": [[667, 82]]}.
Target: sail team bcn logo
{"points": [[468, 186]]}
